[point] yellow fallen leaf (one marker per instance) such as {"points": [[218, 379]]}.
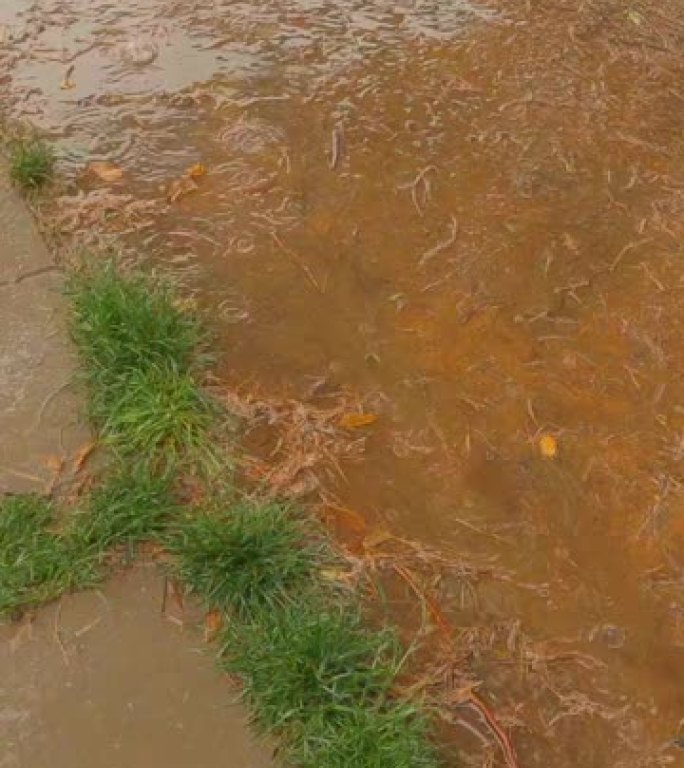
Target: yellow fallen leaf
{"points": [[355, 420], [106, 171], [197, 171], [548, 447]]}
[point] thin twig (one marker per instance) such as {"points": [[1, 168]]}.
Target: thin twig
{"points": [[47, 401], [426, 600], [423, 183], [493, 724], [307, 271], [337, 146], [432, 252], [165, 594], [57, 634]]}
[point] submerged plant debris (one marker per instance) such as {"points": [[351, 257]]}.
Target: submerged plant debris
{"points": [[462, 218]]}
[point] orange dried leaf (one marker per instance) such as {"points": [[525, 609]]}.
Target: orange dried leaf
{"points": [[213, 621], [83, 455], [548, 447], [106, 171], [356, 420], [197, 171], [350, 520]]}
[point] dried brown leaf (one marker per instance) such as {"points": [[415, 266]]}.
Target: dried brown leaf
{"points": [[197, 171], [106, 171], [356, 420]]}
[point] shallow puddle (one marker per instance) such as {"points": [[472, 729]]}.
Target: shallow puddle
{"points": [[468, 221], [102, 679]]}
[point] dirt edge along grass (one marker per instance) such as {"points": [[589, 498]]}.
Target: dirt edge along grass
{"points": [[313, 674]]}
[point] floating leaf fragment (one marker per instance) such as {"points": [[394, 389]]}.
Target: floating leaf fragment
{"points": [[180, 188], [197, 171], [548, 447], [106, 171], [356, 420]]}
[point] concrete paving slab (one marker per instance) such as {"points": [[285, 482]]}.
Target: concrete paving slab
{"points": [[39, 407]]}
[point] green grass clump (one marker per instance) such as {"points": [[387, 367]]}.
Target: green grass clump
{"points": [[247, 558], [141, 357], [39, 562], [36, 563], [31, 163], [131, 506], [154, 413], [396, 736], [308, 661], [126, 323]]}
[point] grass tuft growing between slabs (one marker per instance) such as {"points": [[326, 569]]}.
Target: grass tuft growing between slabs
{"points": [[142, 358], [131, 506], [308, 662], [42, 557], [32, 163], [37, 563], [248, 557]]}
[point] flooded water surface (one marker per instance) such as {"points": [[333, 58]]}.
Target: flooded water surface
{"points": [[468, 220]]}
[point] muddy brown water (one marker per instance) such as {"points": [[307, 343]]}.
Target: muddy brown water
{"points": [[469, 218]]}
